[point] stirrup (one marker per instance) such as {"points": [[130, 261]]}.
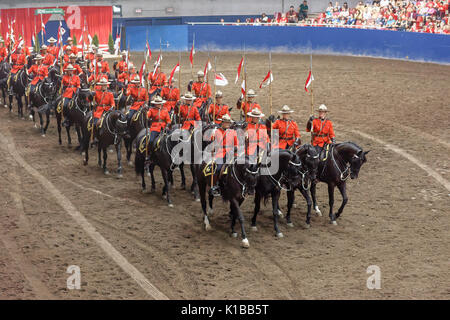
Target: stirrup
{"points": [[215, 191]]}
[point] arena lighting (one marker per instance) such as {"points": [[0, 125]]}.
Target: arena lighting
{"points": [[138, 10]]}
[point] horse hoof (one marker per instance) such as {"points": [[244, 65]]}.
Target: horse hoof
{"points": [[307, 225], [197, 199], [290, 224], [106, 172], [234, 234], [280, 214], [254, 228], [43, 135], [210, 211], [333, 223], [170, 205], [83, 154], [245, 243], [31, 117], [120, 176], [318, 213], [280, 235], [295, 205], [130, 163], [85, 163], [207, 227]]}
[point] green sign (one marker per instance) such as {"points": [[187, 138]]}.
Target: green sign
{"points": [[49, 11]]}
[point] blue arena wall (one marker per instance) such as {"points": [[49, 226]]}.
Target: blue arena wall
{"points": [[319, 40]]}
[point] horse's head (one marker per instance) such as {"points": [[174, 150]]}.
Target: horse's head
{"points": [[250, 175], [310, 159], [120, 122], [48, 88], [354, 155], [356, 162]]}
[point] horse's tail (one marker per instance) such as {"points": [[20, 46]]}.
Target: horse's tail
{"points": [[139, 163]]}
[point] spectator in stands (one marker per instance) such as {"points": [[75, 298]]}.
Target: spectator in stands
{"points": [[303, 12], [329, 11], [292, 15], [264, 18]]}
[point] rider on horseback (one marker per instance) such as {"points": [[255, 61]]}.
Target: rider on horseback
{"points": [[104, 100], [158, 118], [250, 104], [258, 139], [124, 78], [226, 143], [19, 60], [122, 65], [52, 49], [48, 58], [140, 96], [67, 53], [202, 89], [39, 71], [321, 129], [157, 79], [3, 50], [73, 62], [171, 95], [70, 44], [71, 83], [188, 112], [288, 133], [221, 109]]}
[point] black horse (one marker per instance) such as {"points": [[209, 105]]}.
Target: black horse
{"points": [[5, 69], [78, 108], [18, 83], [280, 173], [160, 153], [342, 161], [236, 181], [112, 130], [136, 124], [309, 164], [40, 101]]}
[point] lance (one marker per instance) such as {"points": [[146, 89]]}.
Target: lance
{"points": [[147, 138], [214, 114], [179, 82], [312, 93], [270, 85], [245, 84]]}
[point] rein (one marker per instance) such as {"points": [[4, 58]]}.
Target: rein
{"points": [[342, 177]]}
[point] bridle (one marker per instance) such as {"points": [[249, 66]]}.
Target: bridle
{"points": [[343, 174], [242, 184]]}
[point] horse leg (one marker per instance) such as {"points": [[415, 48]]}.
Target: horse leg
{"points": [[256, 210], [194, 187], [47, 120], [202, 188], [342, 189], [128, 145], [69, 139], [309, 204], [275, 197], [10, 102], [77, 129], [238, 213], [183, 176], [19, 106], [165, 175], [105, 157], [41, 123], [119, 160], [151, 169], [331, 203], [58, 124], [210, 202], [290, 202], [313, 195], [99, 149]]}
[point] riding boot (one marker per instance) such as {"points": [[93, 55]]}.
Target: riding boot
{"points": [[215, 191], [66, 123]]}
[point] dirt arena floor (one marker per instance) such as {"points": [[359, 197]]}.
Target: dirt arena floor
{"points": [[397, 216]]}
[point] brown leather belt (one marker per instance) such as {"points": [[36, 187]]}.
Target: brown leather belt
{"points": [[321, 135]]}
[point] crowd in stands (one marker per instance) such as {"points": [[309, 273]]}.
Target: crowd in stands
{"points": [[429, 16]]}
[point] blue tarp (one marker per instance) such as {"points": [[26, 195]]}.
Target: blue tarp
{"points": [[319, 40]]}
